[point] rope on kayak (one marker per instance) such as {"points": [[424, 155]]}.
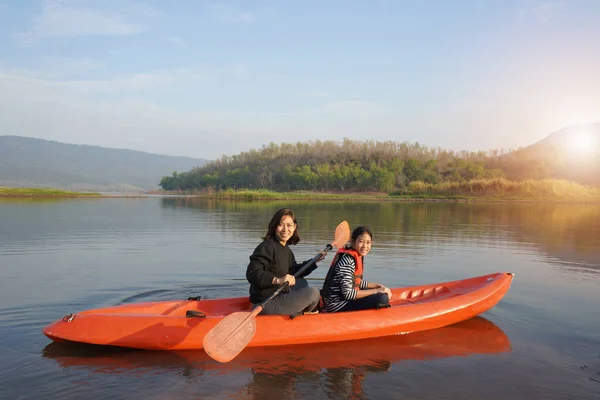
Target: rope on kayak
{"points": [[195, 298]]}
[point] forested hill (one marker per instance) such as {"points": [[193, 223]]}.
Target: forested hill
{"points": [[390, 166], [572, 153], [29, 162]]}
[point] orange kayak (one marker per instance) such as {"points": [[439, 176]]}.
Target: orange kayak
{"points": [[181, 325]]}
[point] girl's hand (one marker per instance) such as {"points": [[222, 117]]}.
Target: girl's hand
{"points": [[288, 278], [385, 290]]}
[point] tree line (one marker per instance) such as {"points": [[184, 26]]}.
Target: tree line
{"points": [[350, 166]]}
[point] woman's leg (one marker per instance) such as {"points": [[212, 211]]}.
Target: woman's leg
{"points": [[372, 301], [301, 283], [298, 300]]}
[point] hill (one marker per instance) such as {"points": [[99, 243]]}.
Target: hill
{"points": [[572, 153], [30, 162]]}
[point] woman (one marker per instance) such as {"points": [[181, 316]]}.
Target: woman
{"points": [[344, 289], [273, 263]]}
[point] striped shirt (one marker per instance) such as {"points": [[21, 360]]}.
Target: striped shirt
{"points": [[341, 287]]}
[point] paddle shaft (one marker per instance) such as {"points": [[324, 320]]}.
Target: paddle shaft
{"points": [[298, 273]]}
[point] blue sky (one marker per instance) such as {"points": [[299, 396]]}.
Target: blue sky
{"points": [[207, 78]]}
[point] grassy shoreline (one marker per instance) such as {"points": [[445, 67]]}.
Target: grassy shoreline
{"points": [[495, 190], [43, 193], [474, 190]]}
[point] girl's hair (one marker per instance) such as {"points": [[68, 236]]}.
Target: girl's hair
{"points": [[359, 230], [276, 220]]}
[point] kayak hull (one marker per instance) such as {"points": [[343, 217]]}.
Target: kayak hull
{"points": [[165, 326], [474, 336]]}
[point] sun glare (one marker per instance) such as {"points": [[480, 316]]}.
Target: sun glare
{"points": [[583, 143]]}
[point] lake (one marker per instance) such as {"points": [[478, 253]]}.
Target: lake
{"points": [[63, 256]]}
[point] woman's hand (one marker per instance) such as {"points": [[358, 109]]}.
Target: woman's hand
{"points": [[288, 278]]}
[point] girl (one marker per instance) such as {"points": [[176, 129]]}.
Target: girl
{"points": [[273, 263], [344, 289]]}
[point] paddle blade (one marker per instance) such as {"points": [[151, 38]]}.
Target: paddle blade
{"points": [[230, 336], [342, 234]]}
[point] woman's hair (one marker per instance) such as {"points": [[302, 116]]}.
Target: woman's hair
{"points": [[276, 220], [359, 230]]}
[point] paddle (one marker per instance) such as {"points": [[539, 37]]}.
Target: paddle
{"points": [[230, 336]]}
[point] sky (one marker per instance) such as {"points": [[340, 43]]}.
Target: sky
{"points": [[210, 78]]}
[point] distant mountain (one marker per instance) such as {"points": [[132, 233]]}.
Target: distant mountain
{"points": [[577, 139], [30, 162], [572, 153]]}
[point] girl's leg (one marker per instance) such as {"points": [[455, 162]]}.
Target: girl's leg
{"points": [[379, 299]]}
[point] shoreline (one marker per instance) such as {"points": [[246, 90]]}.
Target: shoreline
{"points": [[31, 193], [44, 193]]}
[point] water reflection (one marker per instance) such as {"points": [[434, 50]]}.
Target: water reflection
{"points": [[567, 234], [336, 368]]}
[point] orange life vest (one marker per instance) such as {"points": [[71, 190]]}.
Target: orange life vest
{"points": [[358, 262], [357, 278]]}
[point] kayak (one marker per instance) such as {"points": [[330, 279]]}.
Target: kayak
{"points": [[474, 336], [182, 324]]}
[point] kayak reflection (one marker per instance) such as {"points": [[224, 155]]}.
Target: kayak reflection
{"points": [[344, 365]]}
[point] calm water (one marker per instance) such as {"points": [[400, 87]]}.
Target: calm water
{"points": [[541, 341]]}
